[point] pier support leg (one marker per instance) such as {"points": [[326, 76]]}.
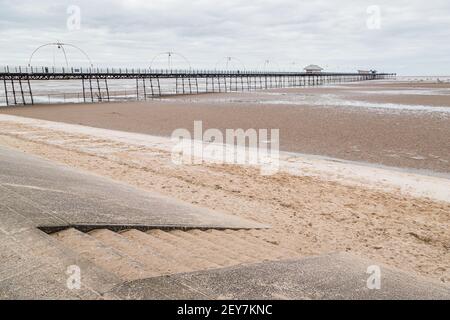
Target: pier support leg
{"points": [[90, 87], [99, 90], [21, 91], [14, 92], [107, 89], [159, 88], [145, 89], [30, 91], [137, 89], [153, 89], [6, 92], [84, 90]]}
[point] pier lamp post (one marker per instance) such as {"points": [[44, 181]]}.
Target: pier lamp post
{"points": [[231, 62], [170, 55]]}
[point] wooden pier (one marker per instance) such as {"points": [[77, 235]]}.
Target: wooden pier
{"points": [[17, 81]]}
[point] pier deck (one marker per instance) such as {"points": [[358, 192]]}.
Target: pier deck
{"points": [[17, 84]]}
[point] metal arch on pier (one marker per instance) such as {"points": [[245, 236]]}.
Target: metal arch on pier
{"points": [[61, 46], [17, 87]]}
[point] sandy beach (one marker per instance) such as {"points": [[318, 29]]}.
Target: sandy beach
{"points": [[310, 214]]}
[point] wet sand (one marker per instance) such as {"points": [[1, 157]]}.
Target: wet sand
{"points": [[309, 120]]}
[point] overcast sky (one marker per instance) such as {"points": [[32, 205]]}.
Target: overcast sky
{"points": [[411, 37]]}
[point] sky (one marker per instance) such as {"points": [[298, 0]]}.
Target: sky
{"points": [[407, 37]]}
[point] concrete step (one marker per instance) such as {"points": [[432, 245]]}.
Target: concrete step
{"points": [[153, 260], [221, 248], [134, 254], [246, 236], [104, 256], [181, 256], [194, 248], [288, 244], [238, 245], [260, 251], [33, 265], [279, 251], [230, 246]]}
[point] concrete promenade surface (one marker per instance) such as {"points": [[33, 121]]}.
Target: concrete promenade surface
{"points": [[52, 195], [329, 277]]}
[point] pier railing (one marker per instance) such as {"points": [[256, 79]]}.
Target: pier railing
{"points": [[89, 70]]}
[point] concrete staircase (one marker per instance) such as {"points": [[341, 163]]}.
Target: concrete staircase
{"points": [[132, 254]]}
